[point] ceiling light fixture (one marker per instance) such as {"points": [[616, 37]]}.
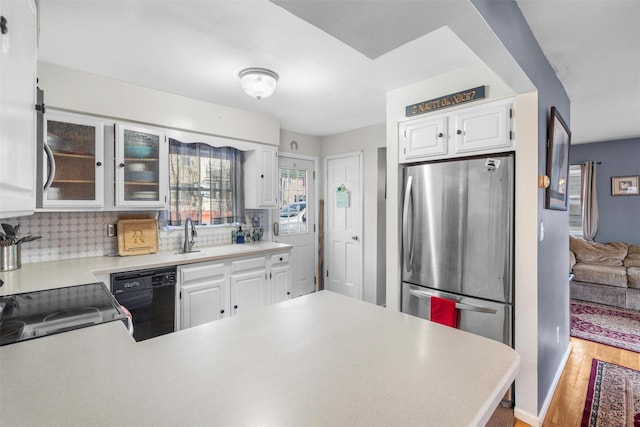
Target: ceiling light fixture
{"points": [[258, 82]]}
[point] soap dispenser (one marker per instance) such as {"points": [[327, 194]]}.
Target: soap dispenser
{"points": [[240, 235]]}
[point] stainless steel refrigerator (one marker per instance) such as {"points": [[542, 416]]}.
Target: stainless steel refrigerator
{"points": [[457, 242]]}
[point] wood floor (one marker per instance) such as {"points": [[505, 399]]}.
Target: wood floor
{"points": [[567, 403]]}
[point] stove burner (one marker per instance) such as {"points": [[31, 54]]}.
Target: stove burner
{"points": [[10, 330]]}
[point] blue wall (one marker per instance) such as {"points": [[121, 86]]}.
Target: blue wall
{"points": [[506, 20], [619, 215]]}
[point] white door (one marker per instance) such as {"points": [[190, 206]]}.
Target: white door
{"points": [[343, 248], [296, 220]]}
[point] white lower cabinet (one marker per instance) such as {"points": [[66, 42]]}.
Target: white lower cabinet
{"points": [[209, 291], [248, 284], [279, 278], [204, 290]]}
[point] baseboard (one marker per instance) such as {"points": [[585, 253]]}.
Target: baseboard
{"points": [[554, 384], [526, 417], [532, 419]]}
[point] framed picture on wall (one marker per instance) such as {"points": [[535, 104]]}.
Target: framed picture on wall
{"points": [[558, 162], [624, 186]]}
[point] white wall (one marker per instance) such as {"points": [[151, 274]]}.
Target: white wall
{"points": [[82, 92], [367, 140], [526, 253], [306, 145]]}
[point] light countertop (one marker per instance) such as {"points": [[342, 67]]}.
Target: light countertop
{"points": [[53, 274], [320, 359]]}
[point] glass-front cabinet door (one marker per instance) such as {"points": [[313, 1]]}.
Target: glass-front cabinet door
{"points": [[74, 170], [141, 166]]}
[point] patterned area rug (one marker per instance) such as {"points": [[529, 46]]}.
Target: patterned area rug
{"points": [[613, 396], [606, 325]]}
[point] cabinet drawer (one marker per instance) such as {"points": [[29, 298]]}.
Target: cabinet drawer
{"points": [[248, 264], [280, 258], [198, 272]]}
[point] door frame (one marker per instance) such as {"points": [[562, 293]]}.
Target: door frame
{"points": [[325, 174], [316, 201]]}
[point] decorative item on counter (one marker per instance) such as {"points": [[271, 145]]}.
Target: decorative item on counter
{"points": [[10, 245], [247, 235], [137, 234], [255, 235]]}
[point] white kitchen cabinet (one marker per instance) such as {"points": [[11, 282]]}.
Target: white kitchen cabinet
{"points": [[17, 108], [482, 129], [248, 284], [279, 288], [421, 138], [141, 167], [99, 165], [73, 173], [261, 178], [203, 293], [211, 290]]}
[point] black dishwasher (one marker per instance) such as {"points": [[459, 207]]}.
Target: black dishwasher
{"points": [[150, 297]]}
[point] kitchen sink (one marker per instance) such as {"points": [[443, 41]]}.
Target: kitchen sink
{"points": [[196, 252]]}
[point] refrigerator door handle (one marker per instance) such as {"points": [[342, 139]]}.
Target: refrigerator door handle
{"points": [[407, 242], [459, 305]]}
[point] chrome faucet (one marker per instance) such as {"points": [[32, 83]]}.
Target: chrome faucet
{"points": [[189, 241]]}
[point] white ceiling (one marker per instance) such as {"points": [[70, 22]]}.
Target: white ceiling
{"points": [[334, 74], [594, 48]]}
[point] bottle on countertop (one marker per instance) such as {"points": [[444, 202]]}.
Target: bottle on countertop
{"points": [[240, 235]]}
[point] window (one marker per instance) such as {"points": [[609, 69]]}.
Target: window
{"points": [[575, 203], [205, 183], [293, 193]]}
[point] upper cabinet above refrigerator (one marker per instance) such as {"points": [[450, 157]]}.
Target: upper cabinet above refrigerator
{"points": [[483, 129]]}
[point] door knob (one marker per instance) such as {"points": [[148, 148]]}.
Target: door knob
{"points": [[354, 237]]}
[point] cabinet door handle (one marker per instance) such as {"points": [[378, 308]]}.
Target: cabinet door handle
{"points": [[288, 293], [122, 165], [52, 167], [99, 164], [222, 311], [440, 135], [459, 132], [235, 307]]}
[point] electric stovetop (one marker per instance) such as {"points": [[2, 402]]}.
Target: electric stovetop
{"points": [[40, 313]]}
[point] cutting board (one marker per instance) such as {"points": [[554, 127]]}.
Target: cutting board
{"points": [[137, 236]]}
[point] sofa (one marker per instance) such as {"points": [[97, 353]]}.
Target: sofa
{"points": [[605, 273]]}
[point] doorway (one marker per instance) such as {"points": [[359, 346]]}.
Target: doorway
{"points": [[344, 224], [296, 220]]}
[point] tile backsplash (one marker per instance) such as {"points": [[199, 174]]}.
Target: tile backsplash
{"points": [[67, 235]]}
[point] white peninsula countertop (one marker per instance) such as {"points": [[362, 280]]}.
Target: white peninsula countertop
{"points": [[53, 274], [318, 360]]}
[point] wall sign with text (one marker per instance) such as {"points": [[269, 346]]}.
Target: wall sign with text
{"points": [[446, 101]]}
